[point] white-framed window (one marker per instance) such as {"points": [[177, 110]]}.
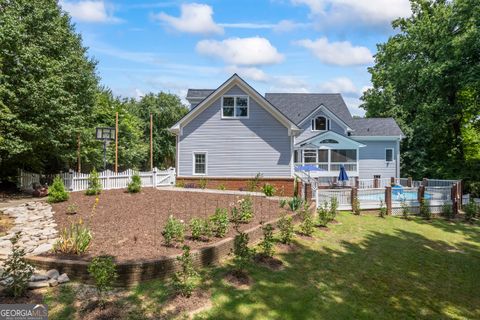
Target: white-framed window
{"points": [[389, 154], [234, 107], [320, 124], [199, 163]]}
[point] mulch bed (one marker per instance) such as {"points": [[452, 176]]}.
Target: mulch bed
{"points": [[128, 226], [239, 279], [269, 262]]}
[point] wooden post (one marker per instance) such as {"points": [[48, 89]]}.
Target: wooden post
{"points": [[79, 165], [375, 182], [421, 193], [388, 199], [151, 142], [357, 182], [392, 181], [425, 182], [409, 182], [454, 194], [353, 197], [116, 142], [460, 193]]}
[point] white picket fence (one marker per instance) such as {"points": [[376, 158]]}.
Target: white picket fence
{"points": [[75, 181]]}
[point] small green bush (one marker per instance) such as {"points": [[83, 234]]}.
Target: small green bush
{"points": [[471, 210], [74, 240], [323, 214], [221, 186], [333, 208], [57, 192], [252, 185], [136, 184], [200, 228], [425, 209], [94, 185], [202, 183], [267, 243], [295, 203], [72, 208], [242, 253], [307, 226], [104, 272], [282, 203], [447, 211], [243, 211], [356, 206], [174, 231], [180, 184], [17, 269], [383, 210], [268, 190], [220, 222], [404, 206], [184, 280], [285, 225]]}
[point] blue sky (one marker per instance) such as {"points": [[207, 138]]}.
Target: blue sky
{"points": [[275, 45]]}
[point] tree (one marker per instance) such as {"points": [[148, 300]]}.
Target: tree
{"points": [[48, 86], [427, 77], [167, 109]]}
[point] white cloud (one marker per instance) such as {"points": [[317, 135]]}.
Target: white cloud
{"points": [[341, 53], [89, 11], [368, 12], [241, 51], [341, 85], [250, 73], [194, 18], [281, 26], [353, 105]]}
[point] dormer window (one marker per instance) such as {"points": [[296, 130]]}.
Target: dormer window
{"points": [[235, 107], [320, 124]]}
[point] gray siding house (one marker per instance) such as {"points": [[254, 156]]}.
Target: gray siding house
{"points": [[232, 133]]}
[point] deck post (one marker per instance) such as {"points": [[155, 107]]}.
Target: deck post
{"points": [[392, 181], [388, 199], [421, 193], [409, 182], [357, 182], [375, 182], [425, 182]]}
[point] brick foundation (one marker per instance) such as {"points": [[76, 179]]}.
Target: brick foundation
{"points": [[283, 186]]}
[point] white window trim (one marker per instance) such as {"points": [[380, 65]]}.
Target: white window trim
{"points": [[235, 106], [393, 155], [193, 163], [327, 124]]}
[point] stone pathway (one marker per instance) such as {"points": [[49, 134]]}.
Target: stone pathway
{"points": [[37, 226]]}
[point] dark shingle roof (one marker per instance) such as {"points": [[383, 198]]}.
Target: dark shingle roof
{"points": [[376, 127], [297, 106], [199, 93]]}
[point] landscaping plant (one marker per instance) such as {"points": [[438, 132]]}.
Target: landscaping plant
{"points": [[447, 211], [282, 203], [267, 243], [471, 210], [136, 184], [268, 190], [104, 272], [383, 210], [17, 270], [242, 253], [252, 185], [295, 203], [307, 226], [202, 183], [180, 184], [243, 211], [174, 231], [183, 280], [333, 208], [404, 206], [425, 209], [94, 185], [323, 214], [72, 208], [200, 227], [75, 239], [220, 222], [221, 187], [285, 225], [57, 192], [356, 206]]}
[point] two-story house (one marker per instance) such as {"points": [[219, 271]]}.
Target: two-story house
{"points": [[232, 133]]}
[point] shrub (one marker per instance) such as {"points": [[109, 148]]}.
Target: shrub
{"points": [[75, 239], [180, 184], [323, 214], [183, 280], [136, 184], [94, 185], [425, 209], [285, 225], [174, 231], [383, 210], [282, 203], [307, 225], [221, 187], [404, 206], [295, 203], [57, 192], [252, 185], [268, 190], [243, 211], [104, 272], [202, 183], [356, 206], [220, 222], [17, 270], [267, 242], [242, 253], [471, 209], [200, 227], [333, 208], [447, 211], [72, 208]]}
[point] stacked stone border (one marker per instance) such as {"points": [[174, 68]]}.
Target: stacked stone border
{"points": [[132, 273]]}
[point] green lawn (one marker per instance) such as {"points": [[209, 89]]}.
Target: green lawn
{"points": [[363, 268]]}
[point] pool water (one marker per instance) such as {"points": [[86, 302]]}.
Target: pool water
{"points": [[406, 195]]}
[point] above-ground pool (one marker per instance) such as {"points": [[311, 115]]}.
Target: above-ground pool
{"points": [[405, 195]]}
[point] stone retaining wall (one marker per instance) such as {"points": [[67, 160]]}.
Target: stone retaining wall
{"points": [[131, 273]]}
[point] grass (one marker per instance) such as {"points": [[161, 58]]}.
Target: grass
{"points": [[363, 268]]}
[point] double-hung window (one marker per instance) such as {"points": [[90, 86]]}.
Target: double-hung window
{"points": [[199, 163], [235, 107], [389, 155]]}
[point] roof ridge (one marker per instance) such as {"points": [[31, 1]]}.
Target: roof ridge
{"points": [[305, 93]]}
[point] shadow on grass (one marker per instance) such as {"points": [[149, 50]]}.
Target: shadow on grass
{"points": [[471, 231], [60, 303], [403, 275]]}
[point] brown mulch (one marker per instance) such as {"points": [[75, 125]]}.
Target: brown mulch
{"points": [[287, 248], [128, 226], [325, 229], [31, 296], [239, 279], [197, 302], [269, 262]]}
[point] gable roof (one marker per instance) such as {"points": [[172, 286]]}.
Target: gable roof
{"points": [[376, 127], [224, 87], [297, 106], [314, 140], [198, 93]]}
